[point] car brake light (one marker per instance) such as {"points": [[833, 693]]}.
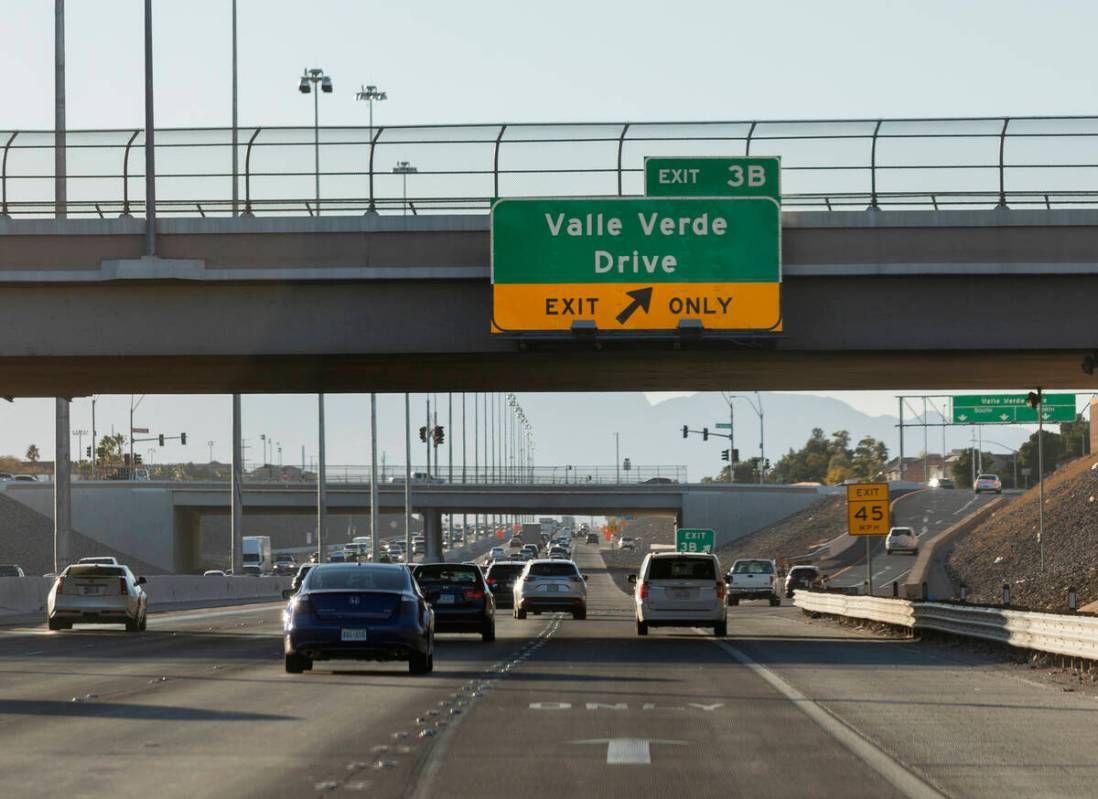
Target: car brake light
{"points": [[122, 585], [60, 585], [642, 590], [474, 593], [492, 581], [720, 589], [301, 604]]}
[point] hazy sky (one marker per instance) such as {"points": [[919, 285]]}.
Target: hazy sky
{"points": [[517, 61]]}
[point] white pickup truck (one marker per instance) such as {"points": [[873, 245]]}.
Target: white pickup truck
{"points": [[753, 578]]}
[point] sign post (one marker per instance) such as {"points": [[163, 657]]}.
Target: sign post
{"points": [[868, 513], [636, 264], [694, 540]]}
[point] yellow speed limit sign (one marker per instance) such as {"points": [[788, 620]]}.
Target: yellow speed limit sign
{"points": [[868, 511]]}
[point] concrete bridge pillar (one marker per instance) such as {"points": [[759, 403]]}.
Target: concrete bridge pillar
{"points": [[432, 531]]}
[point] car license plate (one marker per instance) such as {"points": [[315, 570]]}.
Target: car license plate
{"points": [[92, 589], [353, 634], [445, 599], [680, 593]]}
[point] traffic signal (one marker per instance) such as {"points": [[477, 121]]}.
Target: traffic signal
{"points": [[183, 438], [88, 450], [685, 431], [705, 434], [1035, 398], [137, 459], [160, 438], [440, 434], [735, 456], [423, 434], [724, 454]]}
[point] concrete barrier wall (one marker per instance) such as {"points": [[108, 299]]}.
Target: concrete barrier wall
{"points": [[23, 596], [733, 513]]}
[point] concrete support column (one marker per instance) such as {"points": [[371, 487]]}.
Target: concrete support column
{"points": [[432, 531], [62, 487]]}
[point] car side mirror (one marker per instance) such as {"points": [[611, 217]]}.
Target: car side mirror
{"points": [[288, 593], [584, 576], [633, 579], [140, 581]]}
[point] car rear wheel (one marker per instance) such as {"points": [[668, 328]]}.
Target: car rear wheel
{"points": [[775, 601], [133, 625], [488, 632], [733, 600], [579, 615], [295, 663], [520, 613], [55, 624], [642, 627], [419, 664], [720, 630], [144, 625]]}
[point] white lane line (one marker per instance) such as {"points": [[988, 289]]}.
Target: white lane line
{"points": [[869, 753], [629, 751], [212, 615]]}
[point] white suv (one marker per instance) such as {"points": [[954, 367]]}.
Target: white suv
{"points": [[548, 585], [902, 539], [680, 589]]}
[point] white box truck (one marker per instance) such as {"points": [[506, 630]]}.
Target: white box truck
{"points": [[257, 555]]}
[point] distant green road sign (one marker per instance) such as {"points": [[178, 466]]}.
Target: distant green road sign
{"points": [[724, 425], [713, 176], [694, 540], [1012, 409]]}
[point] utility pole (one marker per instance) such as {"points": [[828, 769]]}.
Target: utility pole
{"points": [[375, 526], [408, 475], [900, 469], [236, 553], [60, 169], [150, 141], [428, 436], [95, 442], [321, 482], [617, 458], [235, 134]]}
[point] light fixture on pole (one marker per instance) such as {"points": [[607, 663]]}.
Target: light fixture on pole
{"points": [[310, 78], [370, 94], [404, 169]]}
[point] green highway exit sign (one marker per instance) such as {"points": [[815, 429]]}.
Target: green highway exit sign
{"points": [[1012, 409], [724, 425], [636, 263], [713, 176], [694, 540]]}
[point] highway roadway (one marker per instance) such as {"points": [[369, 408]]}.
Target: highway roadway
{"points": [[929, 512], [785, 706]]}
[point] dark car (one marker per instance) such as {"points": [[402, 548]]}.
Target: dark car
{"points": [[284, 566], [460, 598], [10, 570], [299, 578], [592, 538], [501, 578], [801, 577], [359, 611]]}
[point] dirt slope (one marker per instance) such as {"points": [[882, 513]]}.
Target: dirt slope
{"points": [[26, 539], [792, 536], [1004, 549]]}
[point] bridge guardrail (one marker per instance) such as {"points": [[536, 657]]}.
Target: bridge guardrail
{"points": [[977, 162], [1053, 633]]}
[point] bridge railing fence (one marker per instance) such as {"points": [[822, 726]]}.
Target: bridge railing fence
{"points": [[826, 165], [390, 474]]}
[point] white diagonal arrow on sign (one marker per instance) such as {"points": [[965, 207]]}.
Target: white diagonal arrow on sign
{"points": [[629, 751]]}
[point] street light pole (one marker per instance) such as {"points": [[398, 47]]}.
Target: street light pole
{"points": [[404, 169], [310, 79], [369, 94], [235, 133], [375, 527], [408, 474]]}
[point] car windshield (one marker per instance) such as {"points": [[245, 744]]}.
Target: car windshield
{"points": [[682, 569], [357, 578], [559, 569], [436, 573], [754, 567], [987, 477]]}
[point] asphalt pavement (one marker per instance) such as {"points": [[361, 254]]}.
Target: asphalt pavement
{"points": [[929, 512], [200, 706]]}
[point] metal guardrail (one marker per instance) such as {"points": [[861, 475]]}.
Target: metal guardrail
{"points": [[1057, 634], [979, 162]]}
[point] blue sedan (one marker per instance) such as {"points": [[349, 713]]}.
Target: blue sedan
{"points": [[359, 611]]}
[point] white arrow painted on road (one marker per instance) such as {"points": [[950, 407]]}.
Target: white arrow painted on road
{"points": [[629, 751]]}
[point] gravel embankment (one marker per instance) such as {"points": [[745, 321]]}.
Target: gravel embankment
{"points": [[26, 539], [793, 536], [1004, 549]]}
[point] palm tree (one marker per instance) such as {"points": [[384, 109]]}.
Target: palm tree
{"points": [[32, 453]]}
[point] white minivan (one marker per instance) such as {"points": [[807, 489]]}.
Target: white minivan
{"points": [[680, 589]]}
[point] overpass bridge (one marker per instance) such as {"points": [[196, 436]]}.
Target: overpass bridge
{"points": [[953, 253], [161, 523]]}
